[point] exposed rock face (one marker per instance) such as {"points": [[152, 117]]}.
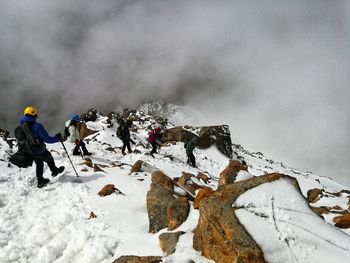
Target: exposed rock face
{"points": [[177, 212], [168, 241], [228, 175], [84, 130], [212, 135], [136, 259], [219, 234], [136, 167], [342, 221], [107, 190], [158, 198], [159, 178], [313, 195], [204, 193]]}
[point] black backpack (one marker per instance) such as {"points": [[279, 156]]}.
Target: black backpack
{"points": [[25, 139], [66, 132], [120, 131], [26, 143]]}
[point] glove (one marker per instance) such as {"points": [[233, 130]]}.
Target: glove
{"points": [[59, 136], [77, 142]]}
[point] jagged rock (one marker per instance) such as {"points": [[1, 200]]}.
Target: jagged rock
{"points": [[159, 178], [91, 115], [137, 259], [228, 175], [177, 212], [186, 177], [92, 215], [203, 176], [107, 190], [204, 193], [84, 130], [136, 167], [342, 221], [97, 168], [168, 241], [141, 166], [88, 162], [321, 210], [212, 135], [158, 198], [219, 234], [313, 195]]}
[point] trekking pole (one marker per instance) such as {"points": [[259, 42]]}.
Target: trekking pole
{"points": [[69, 157]]}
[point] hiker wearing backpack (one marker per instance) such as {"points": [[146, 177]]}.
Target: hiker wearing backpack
{"points": [[190, 146], [73, 135], [154, 139], [37, 149], [124, 134]]}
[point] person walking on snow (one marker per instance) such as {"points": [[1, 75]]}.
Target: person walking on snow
{"points": [[125, 136], [190, 146], [153, 138], [40, 153], [74, 136]]}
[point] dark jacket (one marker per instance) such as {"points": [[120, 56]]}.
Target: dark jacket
{"points": [[191, 145]]}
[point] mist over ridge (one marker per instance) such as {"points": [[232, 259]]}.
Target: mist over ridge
{"points": [[277, 73]]}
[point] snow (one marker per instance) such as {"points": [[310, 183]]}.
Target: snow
{"points": [[52, 224], [283, 225]]}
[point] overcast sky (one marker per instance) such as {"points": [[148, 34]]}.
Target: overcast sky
{"points": [[276, 71]]}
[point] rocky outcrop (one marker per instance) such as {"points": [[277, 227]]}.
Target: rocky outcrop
{"points": [[168, 241], [342, 221], [84, 130], [158, 198], [313, 195], [159, 178], [211, 135], [137, 259], [177, 212], [229, 174], [204, 193], [219, 234]]}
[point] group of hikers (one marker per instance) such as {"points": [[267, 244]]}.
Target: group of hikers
{"points": [[36, 136]]}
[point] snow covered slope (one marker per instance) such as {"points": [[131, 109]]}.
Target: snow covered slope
{"points": [[53, 224]]}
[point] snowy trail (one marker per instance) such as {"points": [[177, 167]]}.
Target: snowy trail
{"points": [[49, 224]]}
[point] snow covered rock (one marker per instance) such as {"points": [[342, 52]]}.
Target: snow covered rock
{"points": [[219, 234], [229, 174], [342, 221]]}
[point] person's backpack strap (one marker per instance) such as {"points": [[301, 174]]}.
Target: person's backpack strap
{"points": [[28, 133]]}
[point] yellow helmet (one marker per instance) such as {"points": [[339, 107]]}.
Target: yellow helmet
{"points": [[31, 111]]}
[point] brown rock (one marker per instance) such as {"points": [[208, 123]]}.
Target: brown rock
{"points": [[204, 193], [177, 212], [321, 210], [313, 195], [97, 168], [137, 259], [168, 241], [84, 130], [159, 178], [342, 221], [228, 175], [158, 198], [203, 176], [107, 190], [185, 178], [219, 234], [212, 135], [88, 162], [136, 167]]}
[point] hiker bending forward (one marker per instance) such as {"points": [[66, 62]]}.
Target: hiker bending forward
{"points": [[154, 139], [190, 146], [74, 136], [40, 153]]}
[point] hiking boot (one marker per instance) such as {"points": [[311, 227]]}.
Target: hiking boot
{"points": [[43, 182], [123, 153], [87, 153], [57, 171]]}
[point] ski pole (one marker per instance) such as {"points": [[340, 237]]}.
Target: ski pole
{"points": [[69, 157]]}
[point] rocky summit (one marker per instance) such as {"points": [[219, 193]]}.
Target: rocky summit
{"points": [[234, 206]]}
